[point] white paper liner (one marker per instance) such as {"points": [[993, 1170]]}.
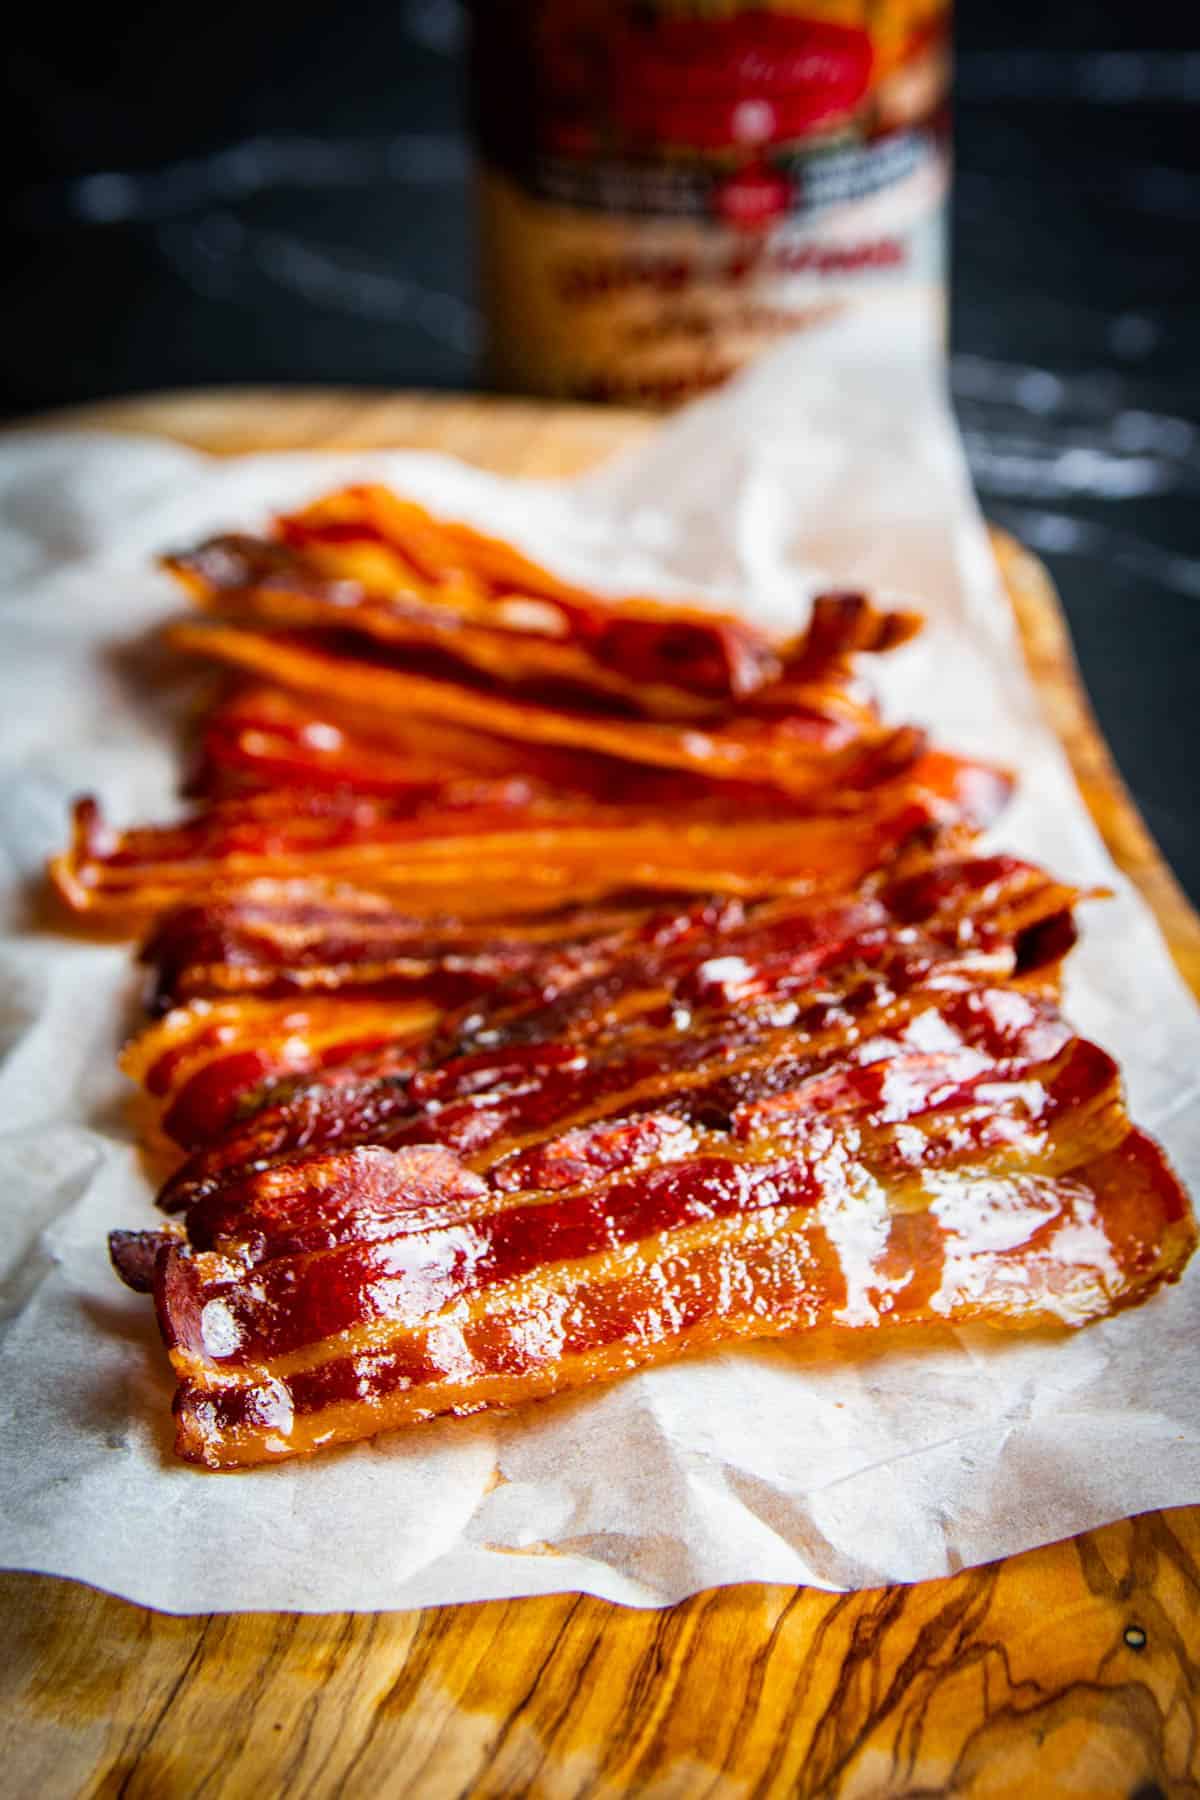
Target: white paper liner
{"points": [[834, 460]]}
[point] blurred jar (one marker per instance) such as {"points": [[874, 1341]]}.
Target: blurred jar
{"points": [[668, 186]]}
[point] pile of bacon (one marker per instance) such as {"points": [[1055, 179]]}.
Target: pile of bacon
{"points": [[547, 984]]}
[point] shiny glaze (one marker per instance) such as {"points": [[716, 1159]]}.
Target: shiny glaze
{"points": [[506, 783], [633, 1153], [830, 1144], [712, 997], [759, 744], [366, 561], [428, 1322], [552, 984]]}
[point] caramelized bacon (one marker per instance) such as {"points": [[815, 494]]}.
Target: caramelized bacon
{"points": [[451, 820], [271, 586], [486, 788], [353, 944], [200, 1064], [789, 746], [335, 1295], [267, 738], [263, 737], [715, 1001], [548, 984], [364, 562], [484, 850]]}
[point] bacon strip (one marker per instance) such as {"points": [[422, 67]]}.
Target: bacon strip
{"points": [[487, 868], [201, 1064], [355, 945], [704, 1124], [334, 1296], [510, 798], [267, 738], [778, 747], [470, 841], [364, 983], [549, 984], [711, 999], [366, 562]]}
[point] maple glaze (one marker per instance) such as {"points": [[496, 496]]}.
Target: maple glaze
{"points": [[577, 982]]}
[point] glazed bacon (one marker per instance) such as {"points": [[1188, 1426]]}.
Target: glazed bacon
{"points": [[200, 1065], [544, 984], [343, 1297], [267, 738], [364, 562], [485, 854], [331, 802], [264, 943], [700, 997], [371, 605], [256, 993], [786, 737], [719, 1121], [445, 786]]}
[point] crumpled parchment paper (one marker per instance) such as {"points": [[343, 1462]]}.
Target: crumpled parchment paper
{"points": [[833, 460]]}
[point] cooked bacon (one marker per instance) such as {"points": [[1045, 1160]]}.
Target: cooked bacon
{"points": [[202, 1063], [775, 742], [514, 800], [266, 738], [450, 820], [366, 987], [354, 944], [713, 998], [333, 960], [548, 984], [486, 851], [333, 1296], [365, 562], [269, 586]]}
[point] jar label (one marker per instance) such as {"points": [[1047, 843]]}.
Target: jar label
{"points": [[668, 187]]}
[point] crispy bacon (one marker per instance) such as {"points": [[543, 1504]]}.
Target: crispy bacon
{"points": [[742, 1122], [365, 983], [264, 737], [365, 562], [291, 796], [547, 984], [354, 944], [333, 1295], [713, 998], [365, 986], [199, 1064], [777, 740], [477, 861], [487, 787], [267, 738]]}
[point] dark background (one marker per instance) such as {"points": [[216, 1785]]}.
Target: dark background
{"points": [[272, 193]]}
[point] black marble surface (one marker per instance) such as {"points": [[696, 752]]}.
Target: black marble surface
{"points": [[280, 194]]}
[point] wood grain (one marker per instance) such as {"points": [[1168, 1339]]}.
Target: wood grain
{"points": [[1072, 1670]]}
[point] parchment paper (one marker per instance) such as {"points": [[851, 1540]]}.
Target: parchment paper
{"points": [[834, 459]]}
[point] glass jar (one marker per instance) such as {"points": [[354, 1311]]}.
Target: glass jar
{"points": [[667, 186]]}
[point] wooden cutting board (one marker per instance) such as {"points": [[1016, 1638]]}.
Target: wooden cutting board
{"points": [[1073, 1669]]}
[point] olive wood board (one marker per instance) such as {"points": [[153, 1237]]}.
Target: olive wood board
{"points": [[1073, 1669]]}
